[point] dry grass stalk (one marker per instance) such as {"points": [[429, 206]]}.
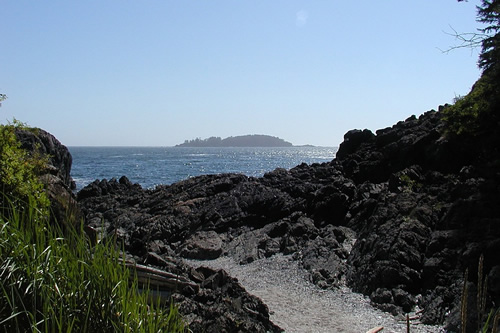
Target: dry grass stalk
{"points": [[481, 293], [463, 310]]}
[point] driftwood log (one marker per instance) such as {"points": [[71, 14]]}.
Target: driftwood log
{"points": [[160, 284], [375, 330]]}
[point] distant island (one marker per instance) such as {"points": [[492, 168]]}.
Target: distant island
{"points": [[255, 140]]}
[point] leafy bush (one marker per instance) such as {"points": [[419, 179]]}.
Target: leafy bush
{"points": [[476, 112], [20, 171]]}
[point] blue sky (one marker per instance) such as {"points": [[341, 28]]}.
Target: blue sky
{"points": [[158, 72]]}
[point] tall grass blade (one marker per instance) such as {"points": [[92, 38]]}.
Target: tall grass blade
{"points": [[53, 280], [463, 310]]}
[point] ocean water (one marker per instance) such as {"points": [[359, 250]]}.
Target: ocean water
{"points": [[152, 166]]}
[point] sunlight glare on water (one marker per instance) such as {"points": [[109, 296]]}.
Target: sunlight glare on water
{"points": [[151, 166]]}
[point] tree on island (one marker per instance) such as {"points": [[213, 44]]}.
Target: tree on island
{"points": [[238, 141], [198, 142]]}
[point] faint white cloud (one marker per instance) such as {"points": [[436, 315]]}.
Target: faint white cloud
{"points": [[301, 18]]}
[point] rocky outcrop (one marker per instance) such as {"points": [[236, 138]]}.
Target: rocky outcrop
{"points": [[56, 177], [399, 215], [434, 212], [158, 227], [46, 144], [209, 300]]}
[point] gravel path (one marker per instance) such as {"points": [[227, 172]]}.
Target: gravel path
{"points": [[297, 305]]}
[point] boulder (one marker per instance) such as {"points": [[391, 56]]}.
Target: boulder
{"points": [[202, 245]]}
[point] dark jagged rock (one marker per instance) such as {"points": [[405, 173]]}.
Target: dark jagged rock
{"points": [[56, 176], [210, 300], [432, 219], [353, 140], [398, 215], [167, 222], [222, 305], [202, 245], [46, 144]]}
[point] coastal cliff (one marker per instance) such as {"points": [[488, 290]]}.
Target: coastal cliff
{"points": [[399, 215]]}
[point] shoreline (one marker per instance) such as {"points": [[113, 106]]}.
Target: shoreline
{"points": [[297, 305]]}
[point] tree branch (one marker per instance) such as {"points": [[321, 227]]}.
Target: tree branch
{"points": [[470, 40]]}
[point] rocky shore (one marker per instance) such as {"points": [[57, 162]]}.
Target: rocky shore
{"points": [[298, 306], [398, 216]]}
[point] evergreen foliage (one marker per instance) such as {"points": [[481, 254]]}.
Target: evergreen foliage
{"points": [[478, 111], [489, 14]]}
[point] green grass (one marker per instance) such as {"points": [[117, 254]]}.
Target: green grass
{"points": [[55, 282], [53, 279]]}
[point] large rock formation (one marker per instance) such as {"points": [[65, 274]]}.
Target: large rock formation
{"points": [[399, 215], [56, 177], [60, 159]]}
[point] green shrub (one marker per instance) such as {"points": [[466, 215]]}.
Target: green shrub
{"points": [[476, 112], [20, 171], [410, 185]]}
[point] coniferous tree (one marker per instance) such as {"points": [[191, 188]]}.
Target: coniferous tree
{"points": [[489, 14], [477, 113]]}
